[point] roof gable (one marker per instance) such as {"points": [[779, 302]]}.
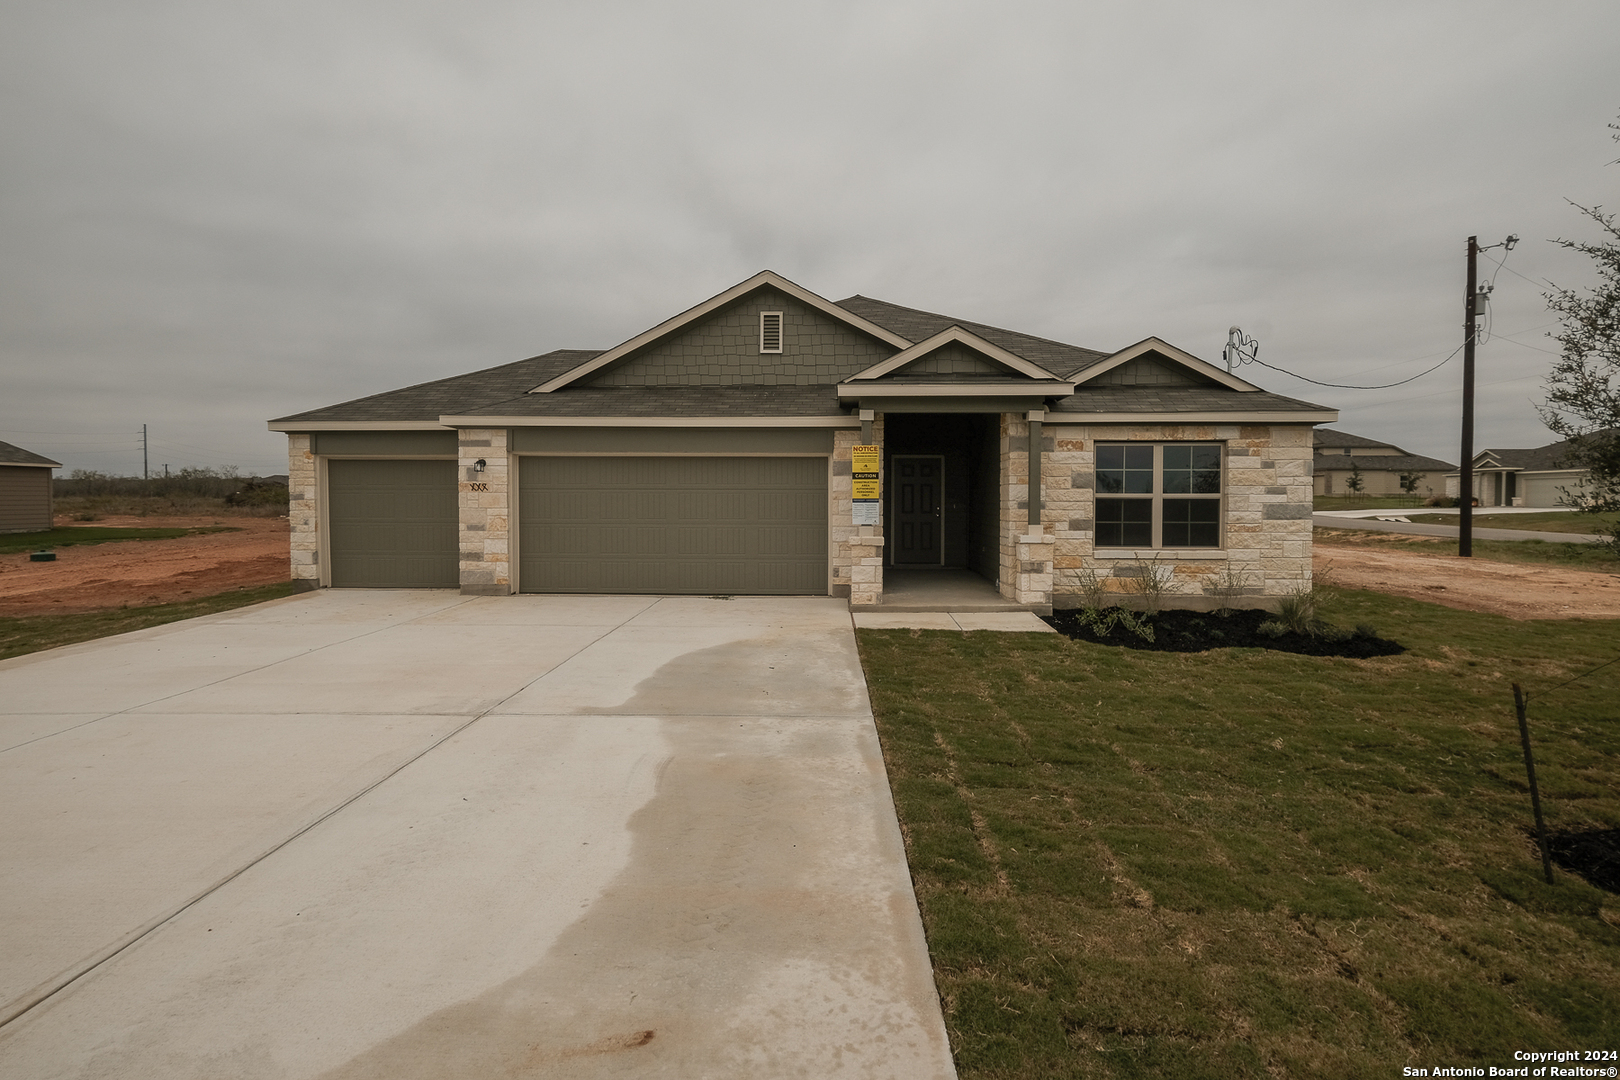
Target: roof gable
{"points": [[1163, 360], [669, 330], [16, 455], [919, 325], [955, 351]]}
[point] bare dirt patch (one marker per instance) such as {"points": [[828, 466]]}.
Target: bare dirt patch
{"points": [[130, 573], [1517, 590]]}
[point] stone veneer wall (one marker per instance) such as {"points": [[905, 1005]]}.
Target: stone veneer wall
{"points": [[857, 551], [1268, 512], [304, 511], [484, 500], [1027, 555]]}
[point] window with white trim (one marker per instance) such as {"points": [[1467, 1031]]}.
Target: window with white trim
{"points": [[1158, 495], [770, 331]]}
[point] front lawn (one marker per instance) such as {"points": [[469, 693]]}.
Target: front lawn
{"points": [[1253, 864], [1553, 521]]}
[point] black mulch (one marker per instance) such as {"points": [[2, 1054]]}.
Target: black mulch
{"points": [[1198, 631], [1594, 855]]}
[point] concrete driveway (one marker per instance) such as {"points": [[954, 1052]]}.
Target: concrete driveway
{"points": [[414, 834]]}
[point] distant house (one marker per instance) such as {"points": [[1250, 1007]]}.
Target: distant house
{"points": [[25, 490], [1521, 477], [1339, 455]]}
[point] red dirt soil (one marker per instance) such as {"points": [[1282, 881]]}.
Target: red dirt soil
{"points": [[135, 573], [1517, 590]]}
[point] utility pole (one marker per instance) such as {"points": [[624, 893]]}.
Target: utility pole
{"points": [[1465, 481], [1473, 307], [146, 473]]}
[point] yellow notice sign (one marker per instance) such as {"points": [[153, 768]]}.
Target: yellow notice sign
{"points": [[864, 489], [864, 459]]}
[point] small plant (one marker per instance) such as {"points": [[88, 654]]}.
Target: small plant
{"points": [[1409, 481], [1102, 621], [1151, 581], [1093, 589], [1227, 586], [1297, 611], [1271, 628]]}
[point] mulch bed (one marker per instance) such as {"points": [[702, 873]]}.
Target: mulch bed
{"points": [[1199, 631], [1594, 855]]}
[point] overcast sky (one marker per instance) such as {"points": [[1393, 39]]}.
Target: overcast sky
{"points": [[214, 214]]}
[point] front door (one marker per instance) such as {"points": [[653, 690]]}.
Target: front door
{"points": [[918, 485]]}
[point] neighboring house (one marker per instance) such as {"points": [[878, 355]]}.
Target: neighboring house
{"points": [[1339, 455], [711, 455], [25, 490], [1521, 477]]}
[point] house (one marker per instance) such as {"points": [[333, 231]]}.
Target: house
{"points": [[1341, 456], [25, 490], [715, 453], [1522, 477]]}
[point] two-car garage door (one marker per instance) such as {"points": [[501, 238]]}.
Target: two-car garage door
{"points": [[704, 525]]}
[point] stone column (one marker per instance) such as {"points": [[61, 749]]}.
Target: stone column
{"points": [[857, 569], [304, 511], [485, 520]]}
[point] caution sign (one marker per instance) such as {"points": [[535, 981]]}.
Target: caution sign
{"points": [[865, 487]]}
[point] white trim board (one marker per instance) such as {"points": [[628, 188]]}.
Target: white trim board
{"points": [[651, 421], [300, 426]]}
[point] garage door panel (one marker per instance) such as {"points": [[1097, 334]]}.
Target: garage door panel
{"points": [[673, 525], [393, 524]]}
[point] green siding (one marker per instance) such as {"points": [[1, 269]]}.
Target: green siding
{"points": [[384, 443], [393, 524], [723, 350], [680, 525]]}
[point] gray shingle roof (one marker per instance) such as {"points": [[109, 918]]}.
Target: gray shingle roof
{"points": [[503, 390], [1326, 436], [16, 455], [1535, 459], [917, 325], [1382, 462], [1154, 399], [457, 394]]}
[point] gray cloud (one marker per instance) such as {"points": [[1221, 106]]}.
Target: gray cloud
{"points": [[217, 214]]}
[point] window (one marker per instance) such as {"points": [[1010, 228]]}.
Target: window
{"points": [[770, 331], [1158, 495]]}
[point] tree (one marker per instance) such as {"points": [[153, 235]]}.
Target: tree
{"points": [[1583, 388], [1354, 483], [1409, 481]]}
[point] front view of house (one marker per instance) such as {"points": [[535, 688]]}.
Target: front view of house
{"points": [[769, 441]]}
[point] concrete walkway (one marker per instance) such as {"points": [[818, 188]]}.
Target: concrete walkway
{"points": [[414, 834]]}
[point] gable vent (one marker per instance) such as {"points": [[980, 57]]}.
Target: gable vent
{"points": [[770, 331]]}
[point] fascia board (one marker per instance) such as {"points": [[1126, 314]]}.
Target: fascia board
{"points": [[714, 303], [355, 425], [945, 337], [30, 464], [1019, 389], [1324, 416], [651, 421], [1180, 356]]}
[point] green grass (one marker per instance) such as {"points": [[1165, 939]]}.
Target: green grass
{"points": [[71, 536], [31, 633], [1553, 521], [1251, 864], [1578, 556]]}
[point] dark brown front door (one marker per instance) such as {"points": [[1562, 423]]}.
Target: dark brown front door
{"points": [[918, 485]]}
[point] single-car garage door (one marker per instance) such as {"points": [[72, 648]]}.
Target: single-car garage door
{"points": [[700, 525], [393, 524]]}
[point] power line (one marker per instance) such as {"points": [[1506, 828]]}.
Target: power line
{"points": [[1347, 386], [1578, 678]]}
